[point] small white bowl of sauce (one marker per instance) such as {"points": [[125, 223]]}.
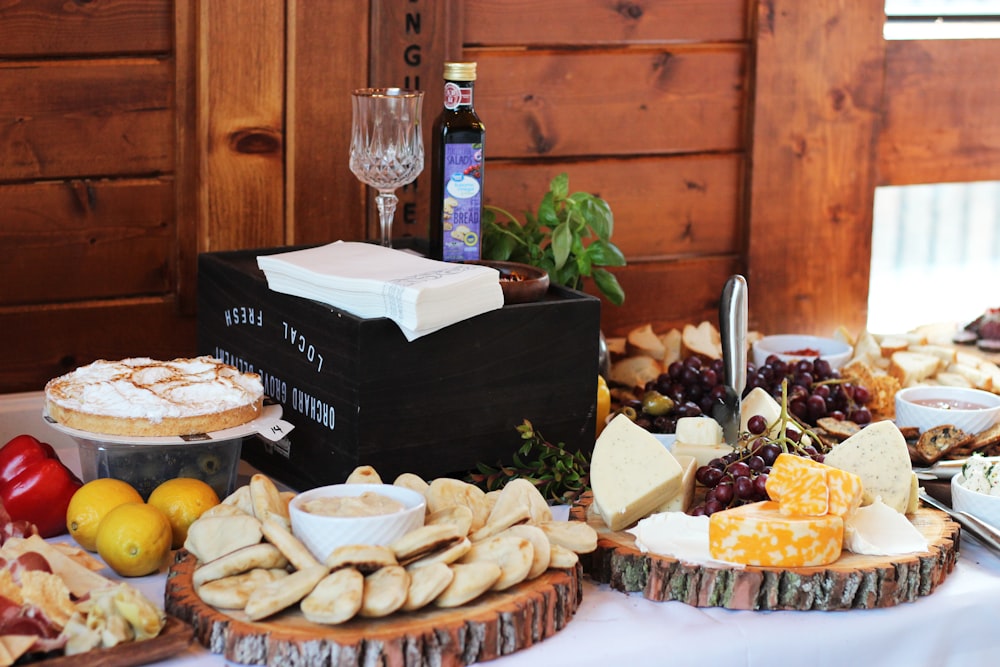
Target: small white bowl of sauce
{"points": [[332, 516], [972, 410], [793, 347]]}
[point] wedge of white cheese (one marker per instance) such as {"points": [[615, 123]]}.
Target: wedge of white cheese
{"points": [[878, 455], [631, 473], [682, 500], [877, 530], [759, 402], [701, 438]]}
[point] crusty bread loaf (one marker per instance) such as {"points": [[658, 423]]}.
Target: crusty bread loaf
{"points": [[912, 367], [635, 371], [702, 340], [643, 340]]}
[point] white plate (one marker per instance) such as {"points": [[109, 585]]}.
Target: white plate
{"points": [[267, 424]]}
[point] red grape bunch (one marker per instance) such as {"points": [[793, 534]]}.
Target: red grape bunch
{"points": [[739, 478]]}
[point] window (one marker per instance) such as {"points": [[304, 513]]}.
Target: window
{"points": [[942, 19], [934, 244]]}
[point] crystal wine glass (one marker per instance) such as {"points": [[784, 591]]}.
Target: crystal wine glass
{"points": [[387, 150]]}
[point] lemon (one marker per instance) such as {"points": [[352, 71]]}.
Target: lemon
{"points": [[133, 539], [89, 505], [183, 500]]}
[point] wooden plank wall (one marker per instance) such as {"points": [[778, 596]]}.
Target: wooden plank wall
{"points": [[728, 135], [87, 161], [643, 103]]}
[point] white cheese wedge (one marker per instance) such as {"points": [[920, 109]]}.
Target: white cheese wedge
{"points": [[759, 402], [878, 530], [701, 438], [685, 495], [913, 504], [631, 473], [675, 534], [878, 455]]}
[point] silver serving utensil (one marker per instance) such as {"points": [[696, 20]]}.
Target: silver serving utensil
{"points": [[982, 531], [733, 331]]}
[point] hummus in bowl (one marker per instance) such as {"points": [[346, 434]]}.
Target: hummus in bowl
{"points": [[333, 516]]}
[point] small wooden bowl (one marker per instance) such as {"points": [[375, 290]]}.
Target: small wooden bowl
{"points": [[521, 283]]}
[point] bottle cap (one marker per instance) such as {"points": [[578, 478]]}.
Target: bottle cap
{"points": [[460, 71]]}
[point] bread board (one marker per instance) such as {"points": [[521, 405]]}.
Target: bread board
{"points": [[173, 638], [852, 582], [495, 624]]}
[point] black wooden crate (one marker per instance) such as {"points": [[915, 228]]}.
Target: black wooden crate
{"points": [[359, 394]]}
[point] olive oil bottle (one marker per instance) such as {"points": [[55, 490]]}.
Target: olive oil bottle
{"points": [[457, 170]]}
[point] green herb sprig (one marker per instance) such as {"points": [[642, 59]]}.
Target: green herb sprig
{"points": [[561, 476]]}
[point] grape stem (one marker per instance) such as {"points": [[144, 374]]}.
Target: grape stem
{"points": [[785, 418]]}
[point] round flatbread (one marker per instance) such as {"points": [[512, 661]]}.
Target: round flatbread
{"points": [[336, 598], [469, 581], [425, 540], [385, 591], [426, 583], [366, 558]]}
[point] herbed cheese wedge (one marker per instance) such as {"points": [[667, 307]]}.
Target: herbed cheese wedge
{"points": [[878, 455], [759, 534], [631, 473]]}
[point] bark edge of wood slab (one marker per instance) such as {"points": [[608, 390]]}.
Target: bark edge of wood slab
{"points": [[493, 625], [852, 582]]}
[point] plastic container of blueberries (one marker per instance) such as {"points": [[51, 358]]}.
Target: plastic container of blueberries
{"points": [[146, 462]]}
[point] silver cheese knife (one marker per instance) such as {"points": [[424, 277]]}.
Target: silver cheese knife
{"points": [[733, 331]]}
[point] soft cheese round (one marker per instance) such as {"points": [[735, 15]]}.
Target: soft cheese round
{"points": [[145, 397]]}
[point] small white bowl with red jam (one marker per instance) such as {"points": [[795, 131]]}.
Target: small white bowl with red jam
{"points": [[971, 410], [332, 516], [793, 347]]}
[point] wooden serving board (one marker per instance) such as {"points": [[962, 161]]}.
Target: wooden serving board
{"points": [[495, 624], [173, 638], [852, 582]]}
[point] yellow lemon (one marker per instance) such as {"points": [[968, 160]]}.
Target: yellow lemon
{"points": [[91, 502], [183, 500], [603, 403], [133, 539]]}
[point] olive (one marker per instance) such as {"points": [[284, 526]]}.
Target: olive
{"points": [[654, 403]]}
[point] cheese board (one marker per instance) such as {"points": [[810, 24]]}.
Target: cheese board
{"points": [[852, 582], [493, 625], [173, 639]]}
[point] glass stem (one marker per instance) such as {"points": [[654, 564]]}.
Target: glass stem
{"points": [[386, 202]]}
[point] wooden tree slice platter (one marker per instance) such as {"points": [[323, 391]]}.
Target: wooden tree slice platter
{"points": [[852, 582], [495, 624]]}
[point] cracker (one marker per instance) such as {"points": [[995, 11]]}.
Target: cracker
{"points": [[935, 443], [426, 583], [385, 591], [513, 554], [280, 594], [366, 558], [469, 581], [336, 598], [260, 555], [233, 592], [838, 428], [294, 550]]}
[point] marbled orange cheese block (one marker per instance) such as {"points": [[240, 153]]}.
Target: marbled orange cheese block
{"points": [[802, 486], [759, 534]]}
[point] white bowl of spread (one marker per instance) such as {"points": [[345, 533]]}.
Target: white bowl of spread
{"points": [[332, 516], [793, 347], [981, 504], [972, 410]]}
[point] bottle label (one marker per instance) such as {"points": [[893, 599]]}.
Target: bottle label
{"points": [[456, 96], [463, 202]]}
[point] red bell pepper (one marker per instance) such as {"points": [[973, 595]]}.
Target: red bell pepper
{"points": [[35, 486]]}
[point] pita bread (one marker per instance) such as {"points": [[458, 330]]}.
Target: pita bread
{"points": [[425, 540], [279, 594], [385, 591], [426, 583], [366, 558], [363, 475], [469, 581], [514, 555], [261, 555], [446, 492], [336, 598], [233, 592]]}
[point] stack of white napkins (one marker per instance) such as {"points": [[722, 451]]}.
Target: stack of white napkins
{"points": [[420, 295]]}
